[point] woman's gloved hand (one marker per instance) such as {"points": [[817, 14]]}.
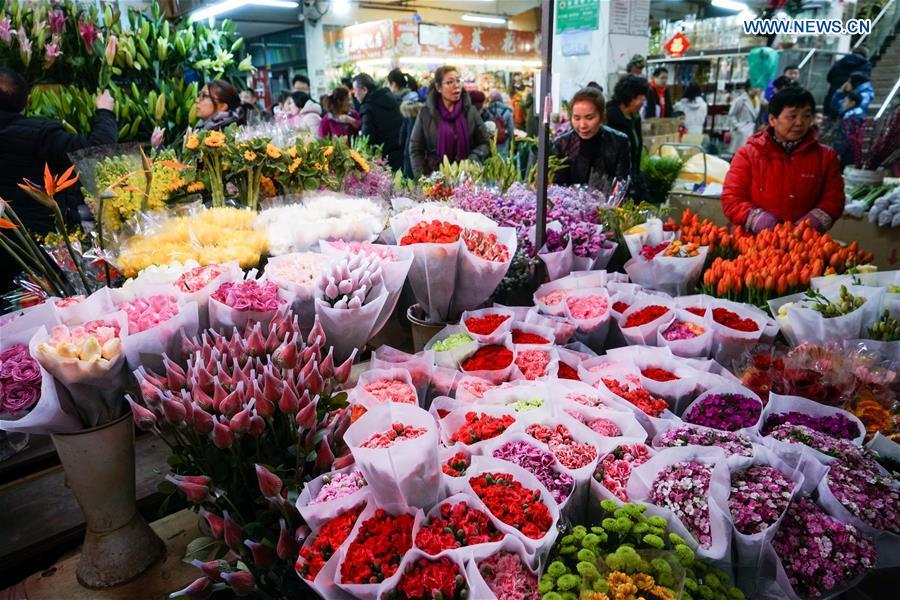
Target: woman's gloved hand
{"points": [[818, 218], [759, 220]]}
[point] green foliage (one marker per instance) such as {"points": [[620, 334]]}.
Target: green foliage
{"points": [[660, 172], [140, 56]]}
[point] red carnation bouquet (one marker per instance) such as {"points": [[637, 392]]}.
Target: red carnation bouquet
{"points": [[460, 257]]}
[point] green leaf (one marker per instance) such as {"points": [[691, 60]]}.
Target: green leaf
{"points": [[166, 487], [174, 460], [202, 548]]}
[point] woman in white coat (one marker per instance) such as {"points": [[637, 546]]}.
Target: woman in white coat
{"points": [[694, 108], [743, 114]]}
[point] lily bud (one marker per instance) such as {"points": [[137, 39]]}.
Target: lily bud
{"points": [[286, 547], [269, 483], [144, 419], [203, 421], [324, 457], [110, 52], [342, 373], [175, 376], [212, 569], [315, 332], [306, 418], [264, 408], [289, 403], [195, 479], [219, 394], [151, 393], [342, 461], [257, 426], [286, 355], [241, 583], [215, 522], [234, 535], [202, 398], [256, 343], [240, 423], [272, 341], [194, 492], [200, 589], [231, 404], [301, 533], [271, 387], [174, 411], [314, 381], [326, 368], [222, 436], [263, 556]]}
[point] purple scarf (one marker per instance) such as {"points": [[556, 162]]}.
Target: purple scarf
{"points": [[453, 132]]}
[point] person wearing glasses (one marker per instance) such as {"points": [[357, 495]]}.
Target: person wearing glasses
{"points": [[447, 126], [218, 106]]}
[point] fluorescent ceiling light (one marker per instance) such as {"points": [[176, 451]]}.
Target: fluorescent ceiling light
{"points": [[214, 10], [473, 18], [730, 5], [341, 8], [431, 60]]}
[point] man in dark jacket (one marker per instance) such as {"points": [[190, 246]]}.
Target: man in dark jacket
{"points": [[623, 113], [381, 118], [29, 144], [840, 71]]}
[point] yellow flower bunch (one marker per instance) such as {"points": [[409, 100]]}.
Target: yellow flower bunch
{"points": [[249, 155], [193, 142], [361, 162], [214, 139], [217, 235], [273, 151]]}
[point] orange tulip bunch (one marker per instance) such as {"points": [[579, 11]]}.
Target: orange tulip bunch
{"points": [[769, 264]]}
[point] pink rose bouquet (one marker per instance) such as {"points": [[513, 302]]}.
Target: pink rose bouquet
{"points": [[20, 379]]}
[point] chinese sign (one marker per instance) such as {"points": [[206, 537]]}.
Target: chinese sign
{"points": [[678, 45], [572, 15]]}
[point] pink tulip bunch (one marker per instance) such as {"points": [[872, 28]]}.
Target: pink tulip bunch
{"points": [[348, 283]]}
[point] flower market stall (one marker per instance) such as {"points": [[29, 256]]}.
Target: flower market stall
{"points": [[628, 404]]}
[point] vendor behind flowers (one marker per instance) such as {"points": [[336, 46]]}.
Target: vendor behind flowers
{"points": [[783, 173]]}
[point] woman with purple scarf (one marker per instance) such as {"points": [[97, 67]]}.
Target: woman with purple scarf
{"points": [[448, 125]]}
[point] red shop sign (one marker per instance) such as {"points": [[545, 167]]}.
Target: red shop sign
{"points": [[677, 45]]}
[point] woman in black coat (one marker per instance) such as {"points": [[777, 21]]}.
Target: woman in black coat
{"points": [[595, 154]]}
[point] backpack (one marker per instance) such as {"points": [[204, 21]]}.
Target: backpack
{"points": [[500, 122]]}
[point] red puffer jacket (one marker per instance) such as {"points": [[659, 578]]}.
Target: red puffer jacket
{"points": [[763, 175]]}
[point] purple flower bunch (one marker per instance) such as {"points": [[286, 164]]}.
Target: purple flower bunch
{"points": [[540, 463], [818, 552], [728, 412], [801, 434], [574, 204], [874, 498], [20, 379], [587, 240], [683, 488], [249, 295], [759, 495], [691, 435], [339, 485], [377, 183], [836, 425]]}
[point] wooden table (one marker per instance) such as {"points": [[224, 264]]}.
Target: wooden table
{"points": [[167, 576]]}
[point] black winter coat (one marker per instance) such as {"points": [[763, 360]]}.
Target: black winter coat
{"points": [[29, 144], [381, 122], [423, 141], [631, 127], [653, 102], [611, 162], [840, 72]]}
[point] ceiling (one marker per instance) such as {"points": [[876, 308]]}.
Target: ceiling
{"points": [[253, 21]]}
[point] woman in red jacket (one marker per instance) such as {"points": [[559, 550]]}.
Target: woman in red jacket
{"points": [[783, 173]]}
